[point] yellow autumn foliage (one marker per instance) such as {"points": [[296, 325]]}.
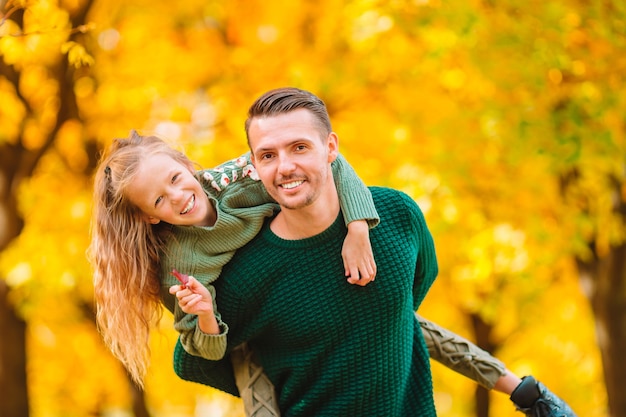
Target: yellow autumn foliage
{"points": [[476, 110]]}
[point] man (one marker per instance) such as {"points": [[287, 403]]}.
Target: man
{"points": [[329, 348]]}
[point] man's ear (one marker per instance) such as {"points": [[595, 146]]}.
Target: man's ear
{"points": [[332, 142]]}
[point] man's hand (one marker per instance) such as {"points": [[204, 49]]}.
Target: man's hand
{"points": [[358, 258]]}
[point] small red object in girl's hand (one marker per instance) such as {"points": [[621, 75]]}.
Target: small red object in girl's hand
{"points": [[183, 278]]}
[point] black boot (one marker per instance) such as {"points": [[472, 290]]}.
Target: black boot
{"points": [[532, 398]]}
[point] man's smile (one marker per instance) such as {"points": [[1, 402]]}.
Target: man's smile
{"points": [[290, 185]]}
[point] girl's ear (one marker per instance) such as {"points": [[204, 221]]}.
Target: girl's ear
{"points": [[152, 220]]}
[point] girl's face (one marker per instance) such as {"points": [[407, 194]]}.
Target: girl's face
{"points": [[165, 190]]}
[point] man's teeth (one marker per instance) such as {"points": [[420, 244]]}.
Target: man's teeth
{"points": [[189, 205], [291, 185]]}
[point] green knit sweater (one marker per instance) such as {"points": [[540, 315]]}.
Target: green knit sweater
{"points": [[329, 347], [242, 204]]}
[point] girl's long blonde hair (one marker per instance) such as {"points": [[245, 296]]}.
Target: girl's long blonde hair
{"points": [[125, 252]]}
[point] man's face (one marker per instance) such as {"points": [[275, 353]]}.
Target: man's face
{"points": [[291, 157]]}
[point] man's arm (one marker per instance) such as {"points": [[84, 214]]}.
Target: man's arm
{"points": [[427, 268]]}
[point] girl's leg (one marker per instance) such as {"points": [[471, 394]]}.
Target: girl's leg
{"points": [[255, 388], [461, 355], [529, 395]]}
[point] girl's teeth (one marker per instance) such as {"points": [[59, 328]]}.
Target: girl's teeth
{"points": [[189, 205]]}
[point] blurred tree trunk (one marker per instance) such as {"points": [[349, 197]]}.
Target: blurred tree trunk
{"points": [[13, 164], [139, 399], [482, 333], [12, 359], [604, 280], [602, 275]]}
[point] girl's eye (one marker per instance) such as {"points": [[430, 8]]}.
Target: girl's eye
{"points": [[174, 178], [158, 200]]}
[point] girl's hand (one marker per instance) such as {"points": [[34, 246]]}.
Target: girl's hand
{"points": [[358, 258], [182, 278], [195, 298]]}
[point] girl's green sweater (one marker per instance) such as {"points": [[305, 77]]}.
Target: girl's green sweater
{"points": [[242, 204]]}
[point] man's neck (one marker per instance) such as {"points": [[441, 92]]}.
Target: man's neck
{"points": [[306, 222]]}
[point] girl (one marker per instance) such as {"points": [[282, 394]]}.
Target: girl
{"points": [[148, 198]]}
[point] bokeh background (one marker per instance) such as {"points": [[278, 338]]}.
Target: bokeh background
{"points": [[504, 120]]}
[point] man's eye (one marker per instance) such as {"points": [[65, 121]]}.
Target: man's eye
{"points": [[174, 178]]}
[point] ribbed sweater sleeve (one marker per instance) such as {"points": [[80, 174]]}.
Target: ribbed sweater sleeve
{"points": [[355, 198]]}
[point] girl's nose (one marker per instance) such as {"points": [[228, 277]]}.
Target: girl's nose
{"points": [[176, 195]]}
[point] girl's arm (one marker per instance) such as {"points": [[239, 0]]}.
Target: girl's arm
{"points": [[225, 179], [195, 298], [236, 185], [202, 332], [354, 196], [359, 214]]}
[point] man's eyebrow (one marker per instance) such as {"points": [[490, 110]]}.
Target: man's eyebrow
{"points": [[290, 143], [300, 140]]}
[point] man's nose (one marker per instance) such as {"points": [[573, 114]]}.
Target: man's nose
{"points": [[286, 164]]}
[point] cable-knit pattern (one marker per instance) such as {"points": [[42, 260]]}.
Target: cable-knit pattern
{"points": [[329, 347]]}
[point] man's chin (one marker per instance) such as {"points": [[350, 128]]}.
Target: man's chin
{"points": [[294, 204]]}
